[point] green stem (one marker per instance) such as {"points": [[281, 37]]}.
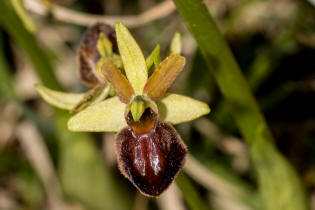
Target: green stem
{"points": [[280, 186]]}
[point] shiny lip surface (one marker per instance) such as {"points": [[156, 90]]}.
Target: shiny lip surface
{"points": [[150, 161]]}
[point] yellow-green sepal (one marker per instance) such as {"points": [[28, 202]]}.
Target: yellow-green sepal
{"points": [[174, 108], [105, 116], [132, 58], [154, 58], [104, 46], [93, 96], [176, 44], [59, 99]]}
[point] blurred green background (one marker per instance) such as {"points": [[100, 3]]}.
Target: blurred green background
{"points": [[44, 166]]}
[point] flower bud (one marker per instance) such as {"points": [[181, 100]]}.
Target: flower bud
{"points": [[88, 54]]}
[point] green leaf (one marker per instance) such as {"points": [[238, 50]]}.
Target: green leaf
{"points": [[190, 194], [164, 76], [59, 99], [176, 109], [20, 10], [104, 46], [176, 44], [106, 116], [279, 190], [154, 58], [120, 83], [280, 187], [38, 56], [132, 57]]}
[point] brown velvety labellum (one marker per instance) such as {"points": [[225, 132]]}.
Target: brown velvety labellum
{"points": [[88, 54], [151, 161]]}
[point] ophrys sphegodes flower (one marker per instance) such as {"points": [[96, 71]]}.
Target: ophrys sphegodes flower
{"points": [[149, 150]]}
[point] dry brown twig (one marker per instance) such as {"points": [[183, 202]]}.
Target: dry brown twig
{"points": [[171, 199], [208, 179], [132, 21], [222, 189], [228, 144]]}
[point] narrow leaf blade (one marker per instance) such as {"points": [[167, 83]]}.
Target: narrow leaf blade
{"points": [[163, 77], [106, 116], [132, 57], [59, 99], [280, 186], [177, 109], [118, 80]]}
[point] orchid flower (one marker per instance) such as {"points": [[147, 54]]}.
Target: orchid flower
{"points": [[98, 42], [149, 150]]}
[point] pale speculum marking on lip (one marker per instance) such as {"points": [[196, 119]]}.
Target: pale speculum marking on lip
{"points": [[147, 156], [154, 157], [146, 150], [139, 161]]}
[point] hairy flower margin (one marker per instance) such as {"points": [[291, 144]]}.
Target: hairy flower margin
{"points": [[150, 152]]}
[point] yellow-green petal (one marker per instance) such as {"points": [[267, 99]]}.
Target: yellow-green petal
{"points": [[132, 57], [174, 108], [59, 99], [106, 116]]}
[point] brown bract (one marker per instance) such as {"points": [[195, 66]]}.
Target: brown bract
{"points": [[152, 160], [88, 54]]}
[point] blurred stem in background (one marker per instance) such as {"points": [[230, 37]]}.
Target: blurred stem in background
{"points": [[7, 92], [280, 186]]}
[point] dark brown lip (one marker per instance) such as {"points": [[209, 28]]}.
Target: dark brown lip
{"points": [[150, 162]]}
